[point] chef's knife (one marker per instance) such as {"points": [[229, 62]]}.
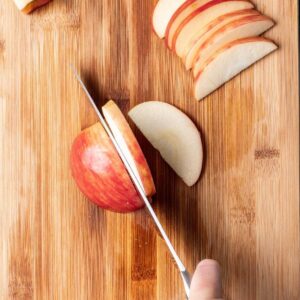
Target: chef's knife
{"points": [[184, 274]]}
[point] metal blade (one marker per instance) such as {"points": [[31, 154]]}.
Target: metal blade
{"points": [[139, 188]]}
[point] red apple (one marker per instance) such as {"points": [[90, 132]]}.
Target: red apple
{"points": [[99, 172], [125, 137], [27, 6]]}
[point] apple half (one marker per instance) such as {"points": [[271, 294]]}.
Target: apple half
{"points": [[190, 53], [249, 26], [174, 135], [193, 19], [189, 30], [163, 13], [27, 6], [228, 61], [99, 172], [127, 140]]}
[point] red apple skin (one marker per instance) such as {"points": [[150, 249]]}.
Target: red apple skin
{"points": [[111, 108], [34, 5], [100, 173]]}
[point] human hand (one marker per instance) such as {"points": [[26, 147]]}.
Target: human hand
{"points": [[206, 282]]}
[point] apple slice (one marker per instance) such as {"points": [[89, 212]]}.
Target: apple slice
{"points": [[195, 16], [27, 6], [228, 61], [174, 135], [125, 137], [183, 12], [99, 172], [249, 26], [162, 14], [187, 33], [183, 45], [190, 53]]}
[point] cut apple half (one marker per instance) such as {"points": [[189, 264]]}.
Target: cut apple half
{"points": [[99, 172], [231, 59], [27, 6], [130, 146], [163, 13], [174, 135], [249, 26], [187, 33], [191, 52]]}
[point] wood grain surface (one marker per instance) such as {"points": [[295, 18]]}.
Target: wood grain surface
{"points": [[244, 211]]}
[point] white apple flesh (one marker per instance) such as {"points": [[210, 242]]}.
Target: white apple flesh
{"points": [[228, 61], [249, 26], [162, 14], [174, 135]]}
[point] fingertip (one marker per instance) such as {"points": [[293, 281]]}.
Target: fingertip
{"points": [[206, 282], [208, 262]]}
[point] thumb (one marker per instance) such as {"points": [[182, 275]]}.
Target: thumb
{"points": [[206, 282]]}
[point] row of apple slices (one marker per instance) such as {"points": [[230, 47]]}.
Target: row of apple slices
{"points": [[99, 171], [216, 38]]}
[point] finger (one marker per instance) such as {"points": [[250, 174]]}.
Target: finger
{"points": [[206, 282]]}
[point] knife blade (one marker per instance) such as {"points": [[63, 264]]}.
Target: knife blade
{"points": [[130, 169]]}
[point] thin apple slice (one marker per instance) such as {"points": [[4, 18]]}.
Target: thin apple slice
{"points": [[182, 13], [27, 6], [249, 26], [125, 137], [174, 135], [187, 33], [228, 61], [163, 13], [99, 172], [191, 10], [190, 53]]}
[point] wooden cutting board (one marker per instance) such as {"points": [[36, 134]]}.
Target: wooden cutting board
{"points": [[244, 211]]}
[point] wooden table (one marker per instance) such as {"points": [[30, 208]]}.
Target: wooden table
{"points": [[244, 211]]}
